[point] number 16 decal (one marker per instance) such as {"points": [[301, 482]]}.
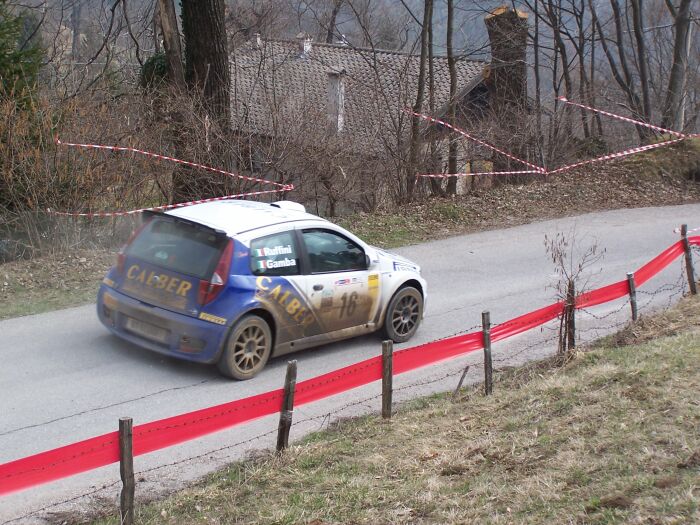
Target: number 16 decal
{"points": [[349, 304]]}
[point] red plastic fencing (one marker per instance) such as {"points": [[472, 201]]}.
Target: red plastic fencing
{"points": [[104, 450]]}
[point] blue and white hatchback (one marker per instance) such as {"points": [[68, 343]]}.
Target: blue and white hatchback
{"points": [[234, 282]]}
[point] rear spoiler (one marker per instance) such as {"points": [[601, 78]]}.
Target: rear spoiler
{"points": [[148, 215]]}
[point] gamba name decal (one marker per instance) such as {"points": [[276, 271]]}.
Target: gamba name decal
{"points": [[266, 264]]}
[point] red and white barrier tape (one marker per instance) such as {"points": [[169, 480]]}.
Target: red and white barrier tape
{"points": [[539, 169], [171, 159], [282, 187], [616, 155], [626, 119], [610, 156], [288, 187], [447, 175]]}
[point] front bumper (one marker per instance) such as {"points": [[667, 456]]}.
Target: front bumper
{"points": [[169, 333]]}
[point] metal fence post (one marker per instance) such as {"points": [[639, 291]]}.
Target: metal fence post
{"points": [[387, 377], [633, 295], [285, 424], [689, 260], [488, 363], [126, 470]]}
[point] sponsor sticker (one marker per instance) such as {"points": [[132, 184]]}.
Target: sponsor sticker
{"points": [[373, 280], [287, 299], [403, 267], [345, 282], [327, 299], [109, 282], [212, 318]]}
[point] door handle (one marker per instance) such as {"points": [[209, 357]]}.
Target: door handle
{"points": [[318, 287]]}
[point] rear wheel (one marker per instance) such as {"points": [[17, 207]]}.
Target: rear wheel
{"points": [[248, 348], [403, 314]]}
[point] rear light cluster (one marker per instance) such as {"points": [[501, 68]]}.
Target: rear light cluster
{"points": [[209, 290]]}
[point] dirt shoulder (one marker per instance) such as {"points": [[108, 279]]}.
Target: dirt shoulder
{"points": [[612, 437], [657, 178]]}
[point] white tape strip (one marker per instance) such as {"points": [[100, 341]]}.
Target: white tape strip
{"points": [[539, 169], [446, 175], [165, 157], [678, 230], [626, 119], [284, 188], [281, 187], [617, 155]]}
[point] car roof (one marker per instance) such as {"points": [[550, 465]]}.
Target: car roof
{"points": [[237, 216]]}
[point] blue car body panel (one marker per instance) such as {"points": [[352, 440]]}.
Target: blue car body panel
{"points": [[128, 296]]}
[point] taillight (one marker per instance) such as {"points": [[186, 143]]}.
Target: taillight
{"points": [[209, 290], [121, 256]]}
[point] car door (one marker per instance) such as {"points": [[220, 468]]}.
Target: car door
{"points": [[338, 285]]}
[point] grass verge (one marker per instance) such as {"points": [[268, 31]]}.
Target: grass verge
{"points": [[612, 437], [50, 283]]}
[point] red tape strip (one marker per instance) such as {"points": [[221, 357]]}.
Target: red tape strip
{"points": [[103, 450]]}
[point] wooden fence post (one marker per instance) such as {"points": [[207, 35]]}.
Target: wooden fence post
{"points": [[285, 424], [387, 377], [488, 363], [633, 295], [689, 260], [126, 470]]}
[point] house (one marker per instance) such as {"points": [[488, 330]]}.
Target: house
{"points": [[343, 107]]}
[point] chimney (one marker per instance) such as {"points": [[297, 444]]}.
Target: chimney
{"points": [[506, 76], [336, 99], [304, 41], [257, 41]]}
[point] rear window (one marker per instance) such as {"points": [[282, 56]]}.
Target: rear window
{"points": [[178, 246]]}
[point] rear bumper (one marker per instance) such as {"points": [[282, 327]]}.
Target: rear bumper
{"points": [[173, 334]]}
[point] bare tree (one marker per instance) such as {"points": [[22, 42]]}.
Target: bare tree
{"points": [[411, 169], [673, 115], [207, 73]]}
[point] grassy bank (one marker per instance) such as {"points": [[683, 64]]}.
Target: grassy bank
{"points": [[612, 437]]}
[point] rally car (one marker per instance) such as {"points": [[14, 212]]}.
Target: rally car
{"points": [[234, 282]]}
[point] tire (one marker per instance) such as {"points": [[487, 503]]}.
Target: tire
{"points": [[403, 315], [247, 350]]}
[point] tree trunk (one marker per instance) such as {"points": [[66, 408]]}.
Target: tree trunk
{"points": [[337, 4], [171, 43], [75, 27], [411, 169], [642, 60], [435, 165], [673, 107], [208, 76], [206, 56], [452, 111]]}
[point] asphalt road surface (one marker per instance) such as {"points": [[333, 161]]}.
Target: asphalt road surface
{"points": [[64, 378]]}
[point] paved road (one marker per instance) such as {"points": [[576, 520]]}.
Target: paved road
{"points": [[64, 378]]}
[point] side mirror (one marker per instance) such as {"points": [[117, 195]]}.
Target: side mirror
{"points": [[368, 261]]}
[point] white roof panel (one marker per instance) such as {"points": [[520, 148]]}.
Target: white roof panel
{"points": [[237, 216]]}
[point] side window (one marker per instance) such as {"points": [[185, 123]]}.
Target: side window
{"points": [[274, 255], [331, 252]]}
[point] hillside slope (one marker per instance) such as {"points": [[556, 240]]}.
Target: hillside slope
{"points": [[613, 437]]}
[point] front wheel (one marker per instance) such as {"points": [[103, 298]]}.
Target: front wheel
{"points": [[403, 314], [247, 350]]}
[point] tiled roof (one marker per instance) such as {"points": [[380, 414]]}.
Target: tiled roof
{"points": [[378, 84]]}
